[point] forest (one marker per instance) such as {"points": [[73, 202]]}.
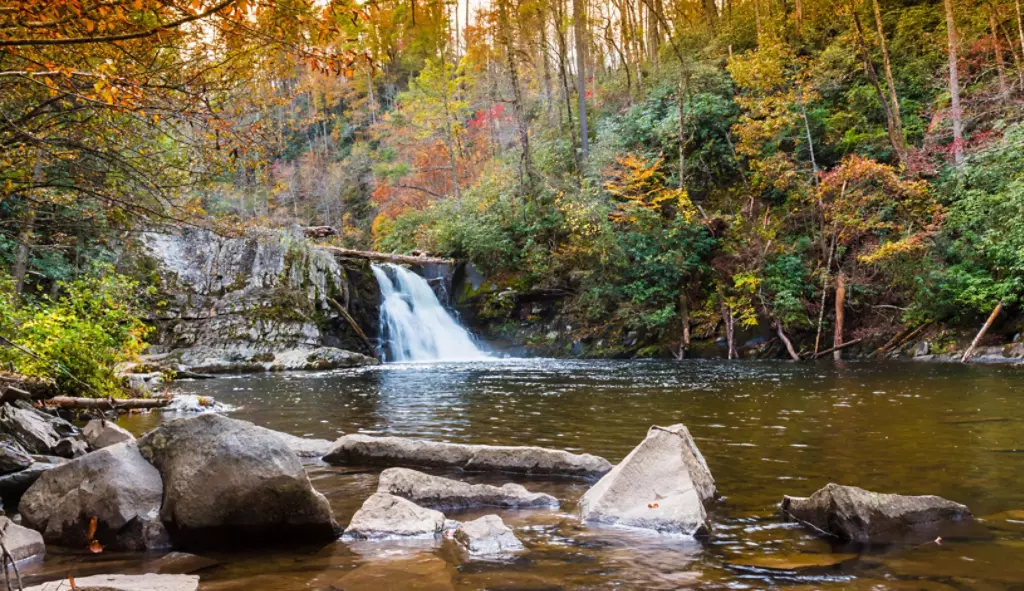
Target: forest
{"points": [[674, 169]]}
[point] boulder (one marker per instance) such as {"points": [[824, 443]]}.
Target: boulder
{"points": [[14, 485], [148, 582], [230, 481], [100, 433], [863, 516], [115, 485], [487, 535], [34, 430], [661, 485], [388, 516], [12, 457], [304, 447], [22, 542], [443, 493], [359, 449]]}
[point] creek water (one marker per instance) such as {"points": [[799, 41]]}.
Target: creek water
{"points": [[766, 429]]}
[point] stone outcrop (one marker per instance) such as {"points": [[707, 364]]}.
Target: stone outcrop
{"points": [[22, 543], [100, 433], [148, 582], [256, 302], [115, 486], [443, 493], [388, 516], [855, 514], [14, 485], [359, 449], [661, 485], [487, 536], [230, 481], [33, 430]]}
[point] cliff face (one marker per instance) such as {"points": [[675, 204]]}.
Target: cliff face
{"points": [[262, 301]]}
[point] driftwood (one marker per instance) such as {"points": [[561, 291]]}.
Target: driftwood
{"points": [[355, 326], [107, 403], [900, 338], [385, 257], [834, 349], [785, 340], [981, 333]]}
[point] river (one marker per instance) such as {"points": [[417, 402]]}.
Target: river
{"points": [[766, 429]]}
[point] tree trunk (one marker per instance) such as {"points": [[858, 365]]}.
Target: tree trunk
{"points": [[525, 165], [785, 340], [837, 339], [730, 336], [1004, 87], [546, 63], [981, 333], [21, 255], [1020, 28], [894, 101], [954, 86], [895, 138], [579, 27], [684, 314]]}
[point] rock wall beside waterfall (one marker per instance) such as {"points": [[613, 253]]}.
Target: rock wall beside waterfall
{"points": [[259, 301]]}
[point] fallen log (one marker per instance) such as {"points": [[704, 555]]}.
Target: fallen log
{"points": [[834, 349], [355, 327], [981, 333], [71, 402], [386, 257], [901, 337]]}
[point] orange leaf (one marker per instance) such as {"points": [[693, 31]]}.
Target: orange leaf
{"points": [[92, 528], [95, 547], [71, 580]]}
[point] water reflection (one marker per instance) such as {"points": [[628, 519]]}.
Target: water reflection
{"points": [[766, 429]]}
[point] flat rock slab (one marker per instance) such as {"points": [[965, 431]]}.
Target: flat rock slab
{"points": [[148, 582], [305, 447], [385, 516], [362, 450], [859, 515], [443, 493], [661, 485], [22, 543], [487, 536]]}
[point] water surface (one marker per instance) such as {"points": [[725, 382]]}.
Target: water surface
{"points": [[766, 429]]}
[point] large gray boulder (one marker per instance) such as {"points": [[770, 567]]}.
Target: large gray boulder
{"points": [[100, 433], [661, 485], [147, 582], [443, 493], [32, 429], [115, 485], [387, 516], [230, 481], [22, 542], [487, 536], [852, 513], [364, 450]]}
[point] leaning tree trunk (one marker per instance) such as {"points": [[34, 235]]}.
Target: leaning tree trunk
{"points": [[837, 338], [1004, 87], [956, 113], [981, 333]]}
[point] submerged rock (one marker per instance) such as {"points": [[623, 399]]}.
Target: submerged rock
{"points": [[22, 542], [396, 451], [388, 516], [661, 485], [443, 493], [190, 403], [229, 480], [859, 515], [148, 582], [487, 536], [116, 486], [100, 433], [423, 572]]}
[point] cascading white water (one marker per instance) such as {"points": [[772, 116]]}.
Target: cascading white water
{"points": [[414, 325]]}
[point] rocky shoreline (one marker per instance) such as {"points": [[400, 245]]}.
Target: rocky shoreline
{"points": [[208, 482]]}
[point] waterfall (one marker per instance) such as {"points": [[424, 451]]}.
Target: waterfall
{"points": [[414, 326]]}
